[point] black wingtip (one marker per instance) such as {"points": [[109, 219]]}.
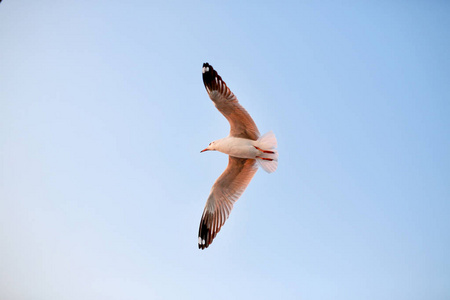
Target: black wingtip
{"points": [[205, 234], [203, 242], [211, 79]]}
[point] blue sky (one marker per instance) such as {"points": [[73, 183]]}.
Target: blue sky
{"points": [[103, 114]]}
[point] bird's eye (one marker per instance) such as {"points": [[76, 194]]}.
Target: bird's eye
{"points": [[210, 144]]}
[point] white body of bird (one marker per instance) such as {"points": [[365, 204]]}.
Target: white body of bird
{"points": [[246, 148], [237, 147]]}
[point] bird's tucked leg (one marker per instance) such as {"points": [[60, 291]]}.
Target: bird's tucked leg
{"points": [[264, 151], [264, 158]]}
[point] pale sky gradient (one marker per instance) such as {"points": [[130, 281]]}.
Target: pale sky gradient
{"points": [[103, 114]]}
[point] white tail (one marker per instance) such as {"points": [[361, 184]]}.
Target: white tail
{"points": [[268, 161]]}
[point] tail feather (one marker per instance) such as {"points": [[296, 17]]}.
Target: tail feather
{"points": [[267, 165], [268, 142]]}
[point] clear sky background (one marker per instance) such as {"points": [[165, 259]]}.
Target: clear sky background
{"points": [[103, 114]]}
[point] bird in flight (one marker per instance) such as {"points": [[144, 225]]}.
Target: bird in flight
{"points": [[246, 150]]}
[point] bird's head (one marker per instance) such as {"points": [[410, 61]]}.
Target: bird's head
{"points": [[211, 146]]}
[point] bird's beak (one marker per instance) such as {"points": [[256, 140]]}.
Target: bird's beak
{"points": [[206, 149]]}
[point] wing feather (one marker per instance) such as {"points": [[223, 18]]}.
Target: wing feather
{"points": [[241, 123], [225, 192]]}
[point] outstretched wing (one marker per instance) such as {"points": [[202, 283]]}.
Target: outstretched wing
{"points": [[225, 192], [241, 124]]}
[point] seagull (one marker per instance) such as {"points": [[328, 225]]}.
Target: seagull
{"points": [[246, 150]]}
